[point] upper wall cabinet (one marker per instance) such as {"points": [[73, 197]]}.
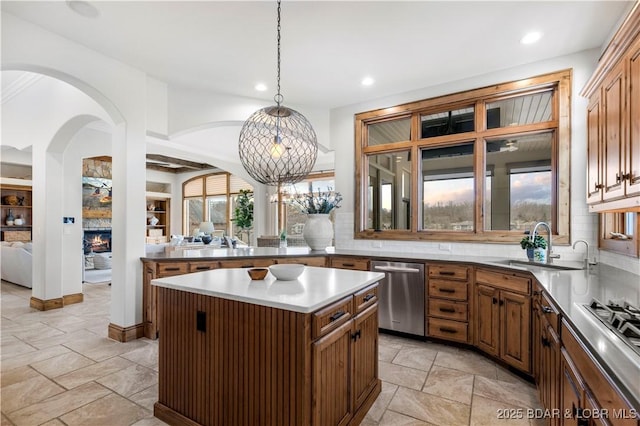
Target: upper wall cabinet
{"points": [[613, 123]]}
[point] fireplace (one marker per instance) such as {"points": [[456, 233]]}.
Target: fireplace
{"points": [[97, 240]]}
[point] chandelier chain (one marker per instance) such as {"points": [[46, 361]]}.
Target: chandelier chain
{"points": [[278, 98]]}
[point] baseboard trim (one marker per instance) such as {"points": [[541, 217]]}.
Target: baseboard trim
{"points": [[126, 334], [70, 299], [46, 305]]}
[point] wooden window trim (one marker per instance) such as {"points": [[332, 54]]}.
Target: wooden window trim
{"points": [[625, 247], [559, 81]]}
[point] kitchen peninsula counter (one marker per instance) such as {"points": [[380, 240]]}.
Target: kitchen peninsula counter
{"points": [[237, 351]]}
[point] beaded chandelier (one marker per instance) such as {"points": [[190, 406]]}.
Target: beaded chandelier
{"points": [[277, 144]]}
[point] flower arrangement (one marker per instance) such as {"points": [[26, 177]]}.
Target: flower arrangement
{"points": [[316, 202], [537, 242]]}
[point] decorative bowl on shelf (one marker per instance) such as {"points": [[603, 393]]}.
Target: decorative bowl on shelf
{"points": [[206, 239], [258, 273], [286, 271]]}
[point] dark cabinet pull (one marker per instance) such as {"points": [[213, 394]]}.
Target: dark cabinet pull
{"points": [[501, 302], [247, 266], [203, 268], [447, 310], [448, 330], [351, 265], [449, 273], [446, 290], [599, 186], [172, 269], [369, 297], [547, 309], [494, 300], [617, 177], [545, 342], [336, 316], [355, 336]]}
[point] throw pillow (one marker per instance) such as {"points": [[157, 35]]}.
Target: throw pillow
{"points": [[102, 261]]}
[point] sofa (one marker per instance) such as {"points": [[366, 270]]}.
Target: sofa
{"points": [[16, 263]]}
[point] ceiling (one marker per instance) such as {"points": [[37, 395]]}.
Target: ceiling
{"points": [[327, 46]]}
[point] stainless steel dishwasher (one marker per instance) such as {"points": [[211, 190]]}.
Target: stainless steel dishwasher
{"points": [[401, 297]]}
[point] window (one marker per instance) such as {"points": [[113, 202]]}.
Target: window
{"points": [[619, 232], [483, 165], [294, 220], [211, 198]]}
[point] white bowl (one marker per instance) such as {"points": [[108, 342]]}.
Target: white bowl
{"points": [[286, 271]]}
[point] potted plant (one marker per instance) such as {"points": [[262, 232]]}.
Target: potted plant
{"points": [[531, 244], [318, 229], [243, 212]]}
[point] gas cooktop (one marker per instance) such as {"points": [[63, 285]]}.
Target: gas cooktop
{"points": [[623, 320]]}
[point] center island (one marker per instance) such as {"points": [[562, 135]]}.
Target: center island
{"points": [[233, 351]]}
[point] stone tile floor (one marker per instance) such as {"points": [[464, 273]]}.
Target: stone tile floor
{"points": [[59, 368]]}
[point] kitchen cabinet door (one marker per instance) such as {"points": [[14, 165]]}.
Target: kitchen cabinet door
{"points": [[571, 392], [332, 377], [365, 354], [632, 175], [613, 94], [515, 329], [594, 149], [487, 319]]}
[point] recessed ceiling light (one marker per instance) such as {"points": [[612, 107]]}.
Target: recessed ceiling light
{"points": [[261, 87], [367, 81], [83, 8], [531, 37]]}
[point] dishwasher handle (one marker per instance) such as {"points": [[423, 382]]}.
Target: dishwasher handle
{"points": [[396, 269]]}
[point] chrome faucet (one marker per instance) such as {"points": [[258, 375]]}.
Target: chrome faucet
{"points": [[586, 261], [550, 255]]}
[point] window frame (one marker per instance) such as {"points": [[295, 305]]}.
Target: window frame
{"points": [[560, 123], [230, 200]]}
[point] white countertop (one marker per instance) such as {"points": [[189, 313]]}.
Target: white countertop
{"points": [[314, 289]]}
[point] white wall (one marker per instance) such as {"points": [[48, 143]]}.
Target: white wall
{"points": [[583, 224]]}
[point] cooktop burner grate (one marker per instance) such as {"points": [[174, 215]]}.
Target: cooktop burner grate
{"points": [[623, 320]]}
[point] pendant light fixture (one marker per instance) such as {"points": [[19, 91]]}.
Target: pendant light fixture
{"points": [[277, 144]]}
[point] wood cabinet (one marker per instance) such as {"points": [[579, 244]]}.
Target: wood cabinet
{"points": [[347, 262], [502, 316], [546, 351], [345, 364], [447, 312], [587, 394], [15, 202], [613, 140], [158, 220], [224, 362]]}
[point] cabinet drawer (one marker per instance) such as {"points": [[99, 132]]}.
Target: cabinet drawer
{"points": [[505, 280], [549, 310], [446, 309], [169, 269], [447, 329], [365, 298], [202, 266], [445, 289], [247, 263], [447, 271], [332, 316], [354, 263], [308, 261]]}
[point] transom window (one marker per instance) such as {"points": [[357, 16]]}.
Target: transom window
{"points": [[482, 165]]}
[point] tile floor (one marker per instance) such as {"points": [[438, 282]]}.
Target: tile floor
{"points": [[59, 368]]}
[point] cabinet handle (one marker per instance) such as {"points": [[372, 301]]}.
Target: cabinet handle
{"points": [[369, 297], [494, 300], [172, 269], [545, 342], [355, 336], [617, 177], [336, 316], [449, 273], [446, 290], [247, 266], [448, 330], [547, 309], [599, 186], [626, 176], [351, 265], [203, 268], [501, 303], [536, 293], [447, 310]]}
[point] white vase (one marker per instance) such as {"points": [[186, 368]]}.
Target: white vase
{"points": [[318, 231]]}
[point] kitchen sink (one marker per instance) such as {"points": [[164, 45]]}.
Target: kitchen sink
{"points": [[562, 266]]}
